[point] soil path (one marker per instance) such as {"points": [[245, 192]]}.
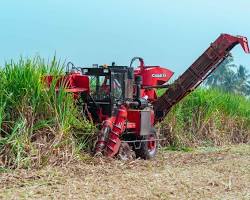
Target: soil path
{"points": [[203, 174]]}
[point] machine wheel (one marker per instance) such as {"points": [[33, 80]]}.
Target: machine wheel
{"points": [[147, 150]]}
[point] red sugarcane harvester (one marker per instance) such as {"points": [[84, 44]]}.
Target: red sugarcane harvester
{"points": [[124, 100]]}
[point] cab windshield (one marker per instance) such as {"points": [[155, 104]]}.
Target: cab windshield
{"points": [[100, 87], [117, 86]]}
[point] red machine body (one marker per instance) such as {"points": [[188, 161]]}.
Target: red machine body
{"points": [[124, 101], [74, 82], [152, 77]]}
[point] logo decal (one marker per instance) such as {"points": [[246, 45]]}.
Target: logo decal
{"points": [[159, 75]]}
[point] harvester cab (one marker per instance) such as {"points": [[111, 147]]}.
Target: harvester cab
{"points": [[110, 86]]}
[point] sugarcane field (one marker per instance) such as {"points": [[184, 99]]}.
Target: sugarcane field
{"points": [[124, 100]]}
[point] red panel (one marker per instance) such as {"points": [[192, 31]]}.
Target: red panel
{"points": [[154, 75], [150, 93], [134, 116], [134, 120], [80, 81], [74, 83]]}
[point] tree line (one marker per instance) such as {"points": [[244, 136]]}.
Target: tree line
{"points": [[231, 78]]}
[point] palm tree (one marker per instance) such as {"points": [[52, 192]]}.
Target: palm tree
{"points": [[231, 78], [223, 75], [247, 88], [242, 80]]}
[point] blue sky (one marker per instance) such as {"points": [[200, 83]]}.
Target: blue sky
{"points": [[167, 33]]}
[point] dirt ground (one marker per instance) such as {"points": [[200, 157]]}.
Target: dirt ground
{"points": [[207, 173]]}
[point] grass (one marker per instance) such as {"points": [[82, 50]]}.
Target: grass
{"points": [[37, 124], [177, 148], [208, 117]]}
